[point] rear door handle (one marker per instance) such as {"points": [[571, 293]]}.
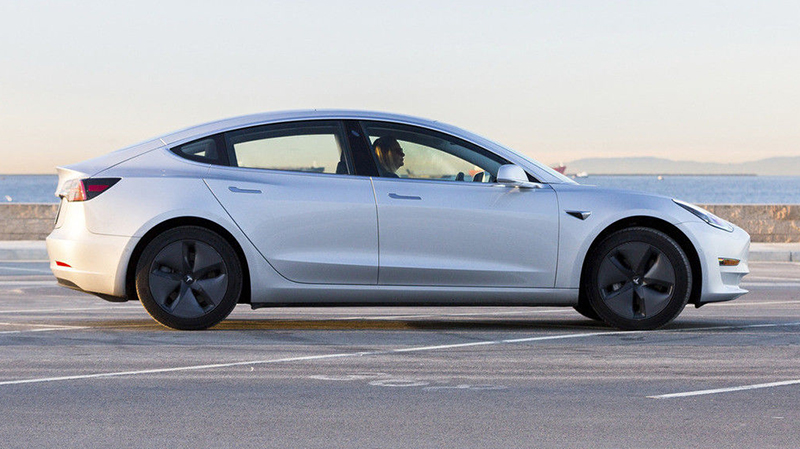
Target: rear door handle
{"points": [[404, 197], [238, 190]]}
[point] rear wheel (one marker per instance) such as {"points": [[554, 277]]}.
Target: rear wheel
{"points": [[189, 278], [639, 278]]}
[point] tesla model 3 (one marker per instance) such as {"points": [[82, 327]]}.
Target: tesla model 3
{"points": [[338, 208]]}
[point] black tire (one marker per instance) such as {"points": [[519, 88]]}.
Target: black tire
{"points": [[189, 278], [638, 279], [586, 310]]}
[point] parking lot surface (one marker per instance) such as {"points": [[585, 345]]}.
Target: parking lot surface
{"points": [[77, 371]]}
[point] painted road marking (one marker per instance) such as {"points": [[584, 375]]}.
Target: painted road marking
{"points": [[371, 353], [760, 303], [42, 328], [44, 310], [726, 390], [733, 389], [36, 325], [296, 359], [740, 326], [27, 269], [39, 330], [772, 278], [31, 283], [770, 284]]}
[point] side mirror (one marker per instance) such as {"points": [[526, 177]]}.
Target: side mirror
{"points": [[514, 176]]}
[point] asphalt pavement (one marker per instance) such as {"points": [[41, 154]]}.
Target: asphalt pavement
{"points": [[77, 371]]}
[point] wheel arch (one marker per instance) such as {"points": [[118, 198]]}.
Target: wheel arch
{"points": [[659, 225], [130, 275]]}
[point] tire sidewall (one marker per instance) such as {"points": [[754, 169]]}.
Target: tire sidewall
{"points": [[232, 266], [675, 255]]}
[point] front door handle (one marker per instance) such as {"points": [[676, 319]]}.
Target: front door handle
{"points": [[404, 197]]}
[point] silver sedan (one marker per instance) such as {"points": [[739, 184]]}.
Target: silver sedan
{"points": [[364, 208]]}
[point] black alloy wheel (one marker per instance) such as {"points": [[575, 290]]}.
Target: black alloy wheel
{"points": [[189, 278], [639, 278]]}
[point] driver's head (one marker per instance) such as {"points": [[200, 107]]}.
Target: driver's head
{"points": [[390, 153]]}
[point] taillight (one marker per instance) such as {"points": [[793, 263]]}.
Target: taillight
{"points": [[86, 189]]}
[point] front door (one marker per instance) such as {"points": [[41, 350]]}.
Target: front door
{"points": [[443, 220]]}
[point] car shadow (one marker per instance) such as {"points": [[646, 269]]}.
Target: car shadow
{"points": [[527, 324], [310, 324]]}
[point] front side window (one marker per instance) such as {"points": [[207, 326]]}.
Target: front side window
{"points": [[315, 147], [403, 151]]}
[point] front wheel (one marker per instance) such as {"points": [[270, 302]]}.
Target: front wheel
{"points": [[585, 310], [189, 278], [639, 278]]}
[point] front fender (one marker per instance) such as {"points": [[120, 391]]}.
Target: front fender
{"points": [[607, 207]]}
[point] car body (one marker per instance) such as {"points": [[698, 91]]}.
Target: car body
{"points": [[297, 208]]}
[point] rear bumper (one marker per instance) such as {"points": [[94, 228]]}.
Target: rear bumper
{"points": [[95, 263]]}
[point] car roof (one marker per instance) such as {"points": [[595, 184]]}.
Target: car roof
{"points": [[301, 114]]}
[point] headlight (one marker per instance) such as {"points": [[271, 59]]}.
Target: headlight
{"points": [[706, 216]]}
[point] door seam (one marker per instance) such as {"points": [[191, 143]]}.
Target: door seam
{"points": [[377, 229]]}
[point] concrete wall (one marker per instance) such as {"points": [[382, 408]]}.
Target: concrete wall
{"points": [[26, 221], [772, 223], [765, 223]]}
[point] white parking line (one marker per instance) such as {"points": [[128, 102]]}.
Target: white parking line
{"points": [[771, 278], [30, 283], [6, 323], [726, 390], [758, 303], [771, 284], [39, 330], [396, 351], [306, 358], [43, 328], [372, 353], [26, 269], [180, 368], [46, 310], [732, 389], [739, 326]]}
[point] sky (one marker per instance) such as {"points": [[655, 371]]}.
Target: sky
{"points": [[556, 80]]}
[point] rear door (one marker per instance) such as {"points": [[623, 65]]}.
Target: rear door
{"points": [[292, 191]]}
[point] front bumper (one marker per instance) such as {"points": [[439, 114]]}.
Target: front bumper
{"points": [[720, 283]]}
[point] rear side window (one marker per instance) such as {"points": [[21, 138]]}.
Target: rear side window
{"points": [[208, 150], [315, 147]]}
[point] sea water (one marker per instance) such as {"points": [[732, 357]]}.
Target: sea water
{"points": [[709, 189], [28, 188]]}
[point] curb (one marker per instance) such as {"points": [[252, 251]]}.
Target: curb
{"points": [[759, 252], [774, 252]]}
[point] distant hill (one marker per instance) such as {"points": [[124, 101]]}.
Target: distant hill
{"points": [[775, 166]]}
